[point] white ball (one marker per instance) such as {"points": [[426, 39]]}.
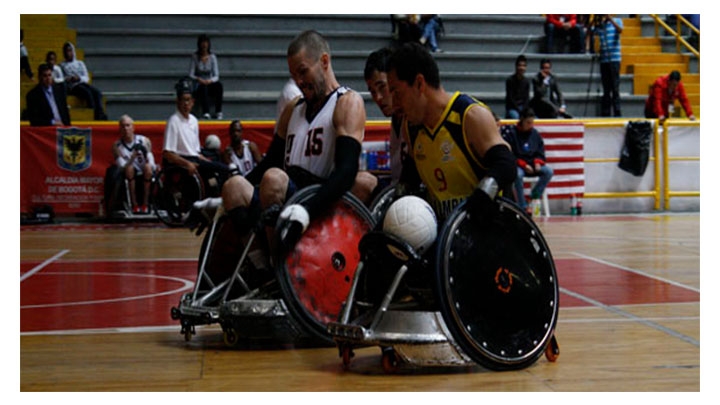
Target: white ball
{"points": [[212, 141], [412, 219]]}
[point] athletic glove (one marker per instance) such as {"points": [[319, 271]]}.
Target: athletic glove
{"points": [[292, 222], [481, 204]]}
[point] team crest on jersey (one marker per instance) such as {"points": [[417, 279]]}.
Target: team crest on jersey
{"points": [[74, 150], [446, 148]]}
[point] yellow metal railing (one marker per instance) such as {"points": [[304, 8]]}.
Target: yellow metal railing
{"points": [[679, 40], [667, 193], [655, 193]]}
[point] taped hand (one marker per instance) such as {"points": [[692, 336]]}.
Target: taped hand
{"points": [[292, 222]]}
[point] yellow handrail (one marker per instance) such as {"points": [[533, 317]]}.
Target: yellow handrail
{"points": [[678, 38], [667, 193]]}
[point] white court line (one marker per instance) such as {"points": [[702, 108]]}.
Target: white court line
{"points": [[613, 320], [43, 264], [187, 284], [644, 321], [664, 280]]}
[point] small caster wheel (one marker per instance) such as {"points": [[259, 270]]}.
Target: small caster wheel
{"points": [[230, 337], [552, 351], [174, 313], [389, 360], [347, 354], [188, 331]]}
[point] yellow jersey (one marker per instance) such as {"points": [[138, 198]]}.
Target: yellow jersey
{"points": [[443, 156]]}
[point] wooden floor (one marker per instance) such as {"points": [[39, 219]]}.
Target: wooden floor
{"points": [[629, 317]]}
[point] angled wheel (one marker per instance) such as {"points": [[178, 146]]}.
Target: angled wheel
{"points": [[389, 360], [315, 277], [174, 191], [497, 287], [382, 201]]}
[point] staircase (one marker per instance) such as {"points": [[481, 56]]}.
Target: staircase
{"points": [[643, 57], [43, 33]]}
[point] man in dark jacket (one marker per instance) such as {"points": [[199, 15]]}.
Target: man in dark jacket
{"points": [[517, 90], [548, 100], [529, 149], [47, 102]]}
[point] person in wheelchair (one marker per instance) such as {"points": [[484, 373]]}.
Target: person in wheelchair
{"points": [[181, 144], [318, 140], [133, 160], [455, 146]]}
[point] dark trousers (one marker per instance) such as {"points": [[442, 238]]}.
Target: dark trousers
{"points": [[203, 94], [92, 96], [610, 76]]}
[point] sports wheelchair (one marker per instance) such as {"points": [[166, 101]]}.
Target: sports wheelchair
{"points": [[117, 199], [287, 298], [174, 190], [489, 296]]}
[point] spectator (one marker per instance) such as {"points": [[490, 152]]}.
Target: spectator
{"points": [[181, 145], [431, 26], [608, 31], [77, 80], [134, 158], [57, 73], [245, 155], [406, 27], [529, 149], [663, 93], [47, 102], [565, 28], [547, 101], [24, 58], [205, 72], [517, 90]]}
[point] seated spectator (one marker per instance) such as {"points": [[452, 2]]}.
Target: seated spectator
{"points": [[205, 72], [517, 90], [47, 101], [57, 73], [77, 80], [529, 149], [547, 101], [431, 26], [24, 58], [241, 152], [565, 28], [663, 93], [406, 28], [134, 158]]}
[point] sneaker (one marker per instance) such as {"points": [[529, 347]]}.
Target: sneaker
{"points": [[219, 116], [144, 209], [206, 116], [136, 209]]}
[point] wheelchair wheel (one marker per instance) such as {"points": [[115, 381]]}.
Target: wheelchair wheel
{"points": [[174, 191], [497, 287], [315, 277], [381, 203]]}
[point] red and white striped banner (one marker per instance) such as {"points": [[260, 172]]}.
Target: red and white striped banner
{"points": [[565, 153]]}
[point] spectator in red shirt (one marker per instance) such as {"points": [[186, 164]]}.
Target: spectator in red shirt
{"points": [[663, 94], [565, 27]]}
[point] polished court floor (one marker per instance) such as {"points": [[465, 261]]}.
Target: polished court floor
{"points": [[95, 316]]}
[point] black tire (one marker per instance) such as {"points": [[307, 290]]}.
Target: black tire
{"points": [[174, 191], [497, 287]]}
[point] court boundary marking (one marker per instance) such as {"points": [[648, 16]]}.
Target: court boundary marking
{"points": [[42, 265]]}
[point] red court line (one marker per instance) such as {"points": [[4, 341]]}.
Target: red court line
{"points": [[614, 286]]}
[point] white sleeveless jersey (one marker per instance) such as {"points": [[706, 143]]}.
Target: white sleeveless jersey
{"points": [[125, 152], [244, 163], [310, 143]]}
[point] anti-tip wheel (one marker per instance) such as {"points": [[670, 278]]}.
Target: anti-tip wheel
{"points": [[389, 360], [230, 337], [552, 351], [346, 352]]}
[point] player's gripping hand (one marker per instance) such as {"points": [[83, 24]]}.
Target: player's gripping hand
{"points": [[293, 221], [481, 204]]}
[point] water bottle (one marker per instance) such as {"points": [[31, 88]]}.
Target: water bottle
{"points": [[578, 208], [573, 205]]}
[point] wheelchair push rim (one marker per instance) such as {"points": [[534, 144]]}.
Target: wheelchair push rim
{"points": [[174, 192], [316, 275], [497, 287]]}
